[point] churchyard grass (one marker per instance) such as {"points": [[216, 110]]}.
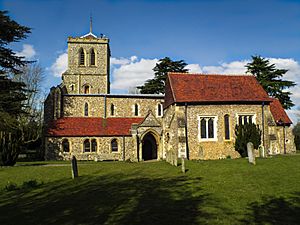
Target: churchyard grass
{"points": [[210, 192]]}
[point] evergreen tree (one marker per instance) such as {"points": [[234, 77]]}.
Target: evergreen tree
{"points": [[271, 80], [10, 31], [246, 133], [12, 93], [157, 84], [296, 132]]}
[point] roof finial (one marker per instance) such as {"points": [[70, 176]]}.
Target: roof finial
{"points": [[91, 23]]}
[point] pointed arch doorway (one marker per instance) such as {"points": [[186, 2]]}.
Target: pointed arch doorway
{"points": [[149, 147]]}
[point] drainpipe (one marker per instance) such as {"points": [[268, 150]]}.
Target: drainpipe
{"points": [[186, 132], [137, 146], [284, 146], [123, 148], [263, 123]]}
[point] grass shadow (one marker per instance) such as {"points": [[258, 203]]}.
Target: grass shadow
{"points": [[109, 199], [275, 210]]}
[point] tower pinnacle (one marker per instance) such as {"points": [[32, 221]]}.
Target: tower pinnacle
{"points": [[91, 24]]}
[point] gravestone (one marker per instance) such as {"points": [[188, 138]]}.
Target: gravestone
{"points": [[74, 167], [251, 153], [182, 164], [261, 151]]}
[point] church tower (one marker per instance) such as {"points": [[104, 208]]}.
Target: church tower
{"points": [[88, 65]]}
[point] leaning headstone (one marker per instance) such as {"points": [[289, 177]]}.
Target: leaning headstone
{"points": [[175, 159], [182, 164], [74, 167], [251, 153]]}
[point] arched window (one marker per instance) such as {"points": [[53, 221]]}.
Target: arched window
{"points": [[81, 57], [226, 127], [65, 145], [92, 54], [86, 89], [94, 145], [72, 86], [210, 128], [86, 109], [136, 109], [203, 128], [159, 109], [112, 110], [114, 145], [86, 145]]}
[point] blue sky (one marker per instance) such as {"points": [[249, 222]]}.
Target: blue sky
{"points": [[213, 36]]}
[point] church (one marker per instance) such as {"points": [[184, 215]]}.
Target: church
{"points": [[195, 119]]}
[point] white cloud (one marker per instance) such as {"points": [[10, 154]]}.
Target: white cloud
{"points": [[235, 67], [194, 68], [28, 52], [60, 65], [131, 72], [293, 74]]}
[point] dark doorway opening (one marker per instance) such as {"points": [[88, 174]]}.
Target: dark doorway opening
{"points": [[149, 149]]}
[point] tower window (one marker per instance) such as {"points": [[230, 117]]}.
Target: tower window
{"points": [[159, 109], [86, 109], [86, 89], [136, 109], [92, 54], [112, 110], [81, 57], [114, 145]]}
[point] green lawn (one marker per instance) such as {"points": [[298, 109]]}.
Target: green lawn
{"points": [[211, 192]]}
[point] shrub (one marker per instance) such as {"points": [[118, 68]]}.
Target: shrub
{"points": [[30, 184], [244, 134], [11, 186]]}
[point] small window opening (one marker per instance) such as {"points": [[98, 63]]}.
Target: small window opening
{"points": [[136, 110], [86, 109], [66, 145], [114, 145]]}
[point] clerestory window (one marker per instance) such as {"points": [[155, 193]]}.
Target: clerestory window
{"points": [[65, 145], [114, 145]]}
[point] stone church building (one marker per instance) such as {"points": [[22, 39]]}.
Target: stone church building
{"points": [[195, 118]]}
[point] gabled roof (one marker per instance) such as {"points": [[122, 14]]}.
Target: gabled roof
{"points": [[91, 126], [278, 112], [89, 35], [209, 88]]}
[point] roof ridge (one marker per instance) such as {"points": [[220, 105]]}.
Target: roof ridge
{"points": [[210, 74]]}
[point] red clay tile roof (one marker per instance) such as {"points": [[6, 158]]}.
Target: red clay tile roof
{"points": [[184, 87], [90, 126], [279, 113]]}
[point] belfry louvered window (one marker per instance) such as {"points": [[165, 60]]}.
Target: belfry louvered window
{"points": [[93, 57], [81, 57]]}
